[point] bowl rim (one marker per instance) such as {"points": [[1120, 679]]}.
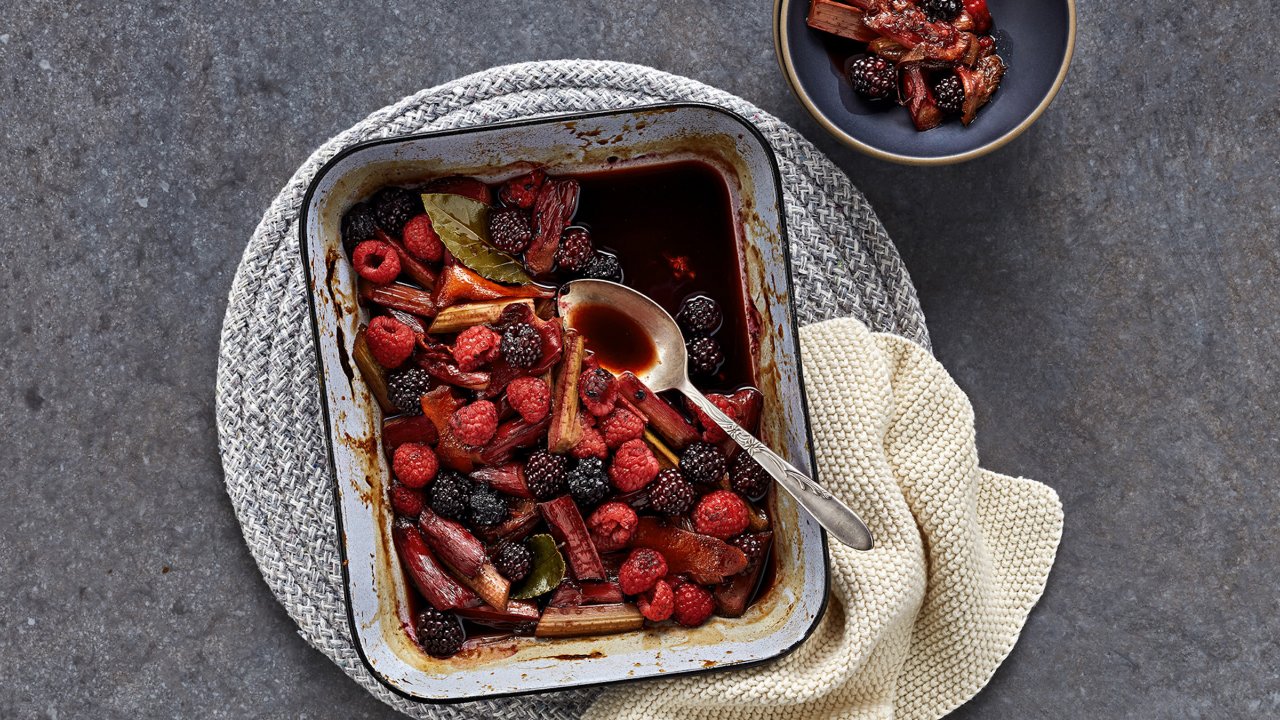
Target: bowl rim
{"points": [[325, 410], [782, 51]]}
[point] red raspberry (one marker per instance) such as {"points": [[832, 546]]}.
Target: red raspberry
{"points": [[415, 464], [476, 423], [721, 514], [376, 261], [612, 525], [406, 501], [642, 569], [658, 603], [634, 466], [521, 191], [421, 239], [598, 390], [530, 397], [693, 605], [711, 432], [591, 444], [620, 426], [390, 341], [475, 347]]}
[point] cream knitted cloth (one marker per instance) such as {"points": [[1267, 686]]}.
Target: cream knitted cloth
{"points": [[918, 625]]}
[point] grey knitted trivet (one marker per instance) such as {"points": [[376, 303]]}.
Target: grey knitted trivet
{"points": [[268, 399]]}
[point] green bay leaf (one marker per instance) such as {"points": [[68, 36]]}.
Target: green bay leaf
{"points": [[547, 572], [463, 227]]}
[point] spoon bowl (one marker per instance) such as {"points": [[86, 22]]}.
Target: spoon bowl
{"points": [[628, 331]]}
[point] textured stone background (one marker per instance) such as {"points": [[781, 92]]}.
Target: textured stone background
{"points": [[1105, 288]]}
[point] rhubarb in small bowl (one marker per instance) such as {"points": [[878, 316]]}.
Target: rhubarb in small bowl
{"points": [[925, 82]]}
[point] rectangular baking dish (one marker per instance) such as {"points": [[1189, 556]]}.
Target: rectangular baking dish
{"points": [[375, 588]]}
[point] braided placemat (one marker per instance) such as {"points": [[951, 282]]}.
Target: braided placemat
{"points": [[268, 399]]}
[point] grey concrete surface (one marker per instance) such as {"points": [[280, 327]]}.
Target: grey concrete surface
{"points": [[1106, 288]]}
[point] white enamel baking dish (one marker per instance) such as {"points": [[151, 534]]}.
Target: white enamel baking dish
{"points": [[375, 587]]}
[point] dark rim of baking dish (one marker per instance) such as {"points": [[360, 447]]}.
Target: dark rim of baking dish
{"points": [[328, 427], [782, 52]]}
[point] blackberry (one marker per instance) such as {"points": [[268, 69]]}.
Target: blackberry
{"points": [[440, 634], [699, 316], [940, 10], [393, 207], [358, 225], [603, 266], [544, 474], [747, 477], [509, 230], [521, 345], [588, 482], [949, 94], [752, 546], [450, 495], [671, 493], [514, 561], [873, 77], [406, 388], [701, 462], [705, 356], [488, 506], [575, 251]]}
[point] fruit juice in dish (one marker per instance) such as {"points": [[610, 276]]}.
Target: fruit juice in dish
{"points": [[544, 490], [672, 228]]}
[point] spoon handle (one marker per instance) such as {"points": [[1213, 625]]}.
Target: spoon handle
{"points": [[835, 516]]}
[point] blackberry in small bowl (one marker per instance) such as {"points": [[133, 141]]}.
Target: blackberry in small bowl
{"points": [[949, 94], [873, 77]]}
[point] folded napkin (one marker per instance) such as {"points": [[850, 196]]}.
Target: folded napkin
{"points": [[917, 625]]}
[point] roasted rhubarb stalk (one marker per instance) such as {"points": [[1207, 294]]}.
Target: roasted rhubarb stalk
{"points": [[436, 585], [399, 296], [567, 526], [565, 430], [553, 207], [520, 616], [465, 555], [508, 478], [572, 594], [372, 373], [521, 520], [666, 420], [589, 620], [666, 457], [733, 595], [408, 428], [460, 185], [460, 317], [919, 98], [457, 283], [706, 559], [839, 19], [979, 84], [511, 435]]}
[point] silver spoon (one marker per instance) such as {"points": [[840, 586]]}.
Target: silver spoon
{"points": [[623, 307]]}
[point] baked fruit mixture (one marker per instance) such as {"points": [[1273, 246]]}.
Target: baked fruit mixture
{"points": [[535, 492], [936, 57]]}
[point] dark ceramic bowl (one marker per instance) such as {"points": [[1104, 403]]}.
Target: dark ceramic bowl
{"points": [[1035, 38]]}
